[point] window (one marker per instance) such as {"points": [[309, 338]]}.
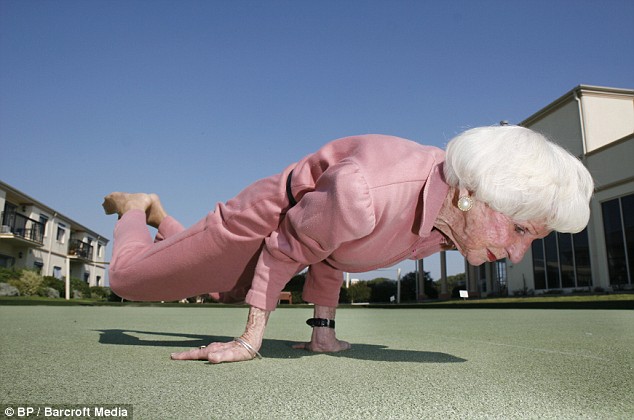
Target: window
{"points": [[552, 262], [57, 272], [618, 225], [44, 222], [562, 260], [38, 266], [6, 261], [61, 232], [99, 250], [539, 266], [500, 268]]}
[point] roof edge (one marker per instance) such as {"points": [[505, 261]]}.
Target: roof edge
{"points": [[577, 91], [39, 204]]}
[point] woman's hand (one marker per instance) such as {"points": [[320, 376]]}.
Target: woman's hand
{"points": [[234, 351], [216, 353]]}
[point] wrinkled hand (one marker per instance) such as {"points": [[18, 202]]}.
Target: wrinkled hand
{"points": [[324, 346], [216, 353]]}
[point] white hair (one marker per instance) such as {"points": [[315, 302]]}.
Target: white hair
{"points": [[521, 174]]}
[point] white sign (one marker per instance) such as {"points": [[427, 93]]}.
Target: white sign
{"points": [[464, 294]]}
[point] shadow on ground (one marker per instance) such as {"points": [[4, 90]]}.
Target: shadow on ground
{"points": [[275, 349]]}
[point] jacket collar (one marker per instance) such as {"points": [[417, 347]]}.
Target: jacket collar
{"points": [[434, 193]]}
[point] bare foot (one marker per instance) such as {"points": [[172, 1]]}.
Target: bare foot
{"points": [[120, 203], [155, 213]]}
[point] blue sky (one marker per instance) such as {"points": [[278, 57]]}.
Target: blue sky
{"points": [[194, 100]]}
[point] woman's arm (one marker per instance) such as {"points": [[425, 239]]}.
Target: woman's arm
{"points": [[233, 351]]}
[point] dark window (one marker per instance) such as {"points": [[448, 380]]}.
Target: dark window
{"points": [[582, 258], [614, 241], [627, 206], [618, 225], [552, 261], [539, 266], [566, 260], [562, 260]]}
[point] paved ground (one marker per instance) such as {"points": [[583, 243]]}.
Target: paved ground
{"points": [[405, 363]]}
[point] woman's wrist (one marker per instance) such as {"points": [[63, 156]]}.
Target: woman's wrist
{"points": [[256, 324]]}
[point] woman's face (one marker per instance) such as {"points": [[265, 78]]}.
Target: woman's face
{"points": [[484, 235]]}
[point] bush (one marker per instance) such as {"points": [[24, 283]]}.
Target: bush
{"points": [[77, 285], [7, 274], [553, 292], [31, 281], [113, 297], [98, 292], [54, 283], [48, 292], [17, 283]]}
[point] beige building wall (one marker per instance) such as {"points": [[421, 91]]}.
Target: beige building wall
{"points": [[65, 249], [597, 125]]}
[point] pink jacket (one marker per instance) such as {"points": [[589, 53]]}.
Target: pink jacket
{"points": [[364, 202]]}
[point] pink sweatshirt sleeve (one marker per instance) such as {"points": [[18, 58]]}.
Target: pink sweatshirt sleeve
{"points": [[338, 210]]}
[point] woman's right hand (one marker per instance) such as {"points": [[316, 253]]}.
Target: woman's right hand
{"points": [[233, 351], [216, 353]]}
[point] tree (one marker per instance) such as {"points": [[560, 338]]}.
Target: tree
{"points": [[408, 287], [382, 289], [359, 292], [456, 283]]}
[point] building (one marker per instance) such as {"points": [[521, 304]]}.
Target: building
{"points": [[597, 125], [35, 236]]}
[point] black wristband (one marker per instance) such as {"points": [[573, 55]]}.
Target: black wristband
{"points": [[321, 322]]}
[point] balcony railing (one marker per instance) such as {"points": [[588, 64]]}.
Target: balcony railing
{"points": [[23, 227], [79, 249]]}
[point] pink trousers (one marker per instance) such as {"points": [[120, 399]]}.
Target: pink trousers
{"points": [[217, 254]]}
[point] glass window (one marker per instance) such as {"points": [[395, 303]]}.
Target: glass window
{"points": [[613, 229], [539, 266], [566, 260], [582, 258], [38, 267], [562, 260], [44, 222], [552, 261], [61, 232], [6, 261], [627, 207]]}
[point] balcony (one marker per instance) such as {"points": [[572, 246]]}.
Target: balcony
{"points": [[79, 249], [20, 228]]}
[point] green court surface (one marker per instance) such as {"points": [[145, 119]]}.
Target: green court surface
{"points": [[404, 364]]}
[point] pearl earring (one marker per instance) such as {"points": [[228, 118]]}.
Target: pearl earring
{"points": [[465, 203]]}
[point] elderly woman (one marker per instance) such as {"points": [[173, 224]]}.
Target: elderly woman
{"points": [[357, 204]]}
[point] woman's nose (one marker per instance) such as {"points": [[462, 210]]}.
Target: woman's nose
{"points": [[519, 248]]}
